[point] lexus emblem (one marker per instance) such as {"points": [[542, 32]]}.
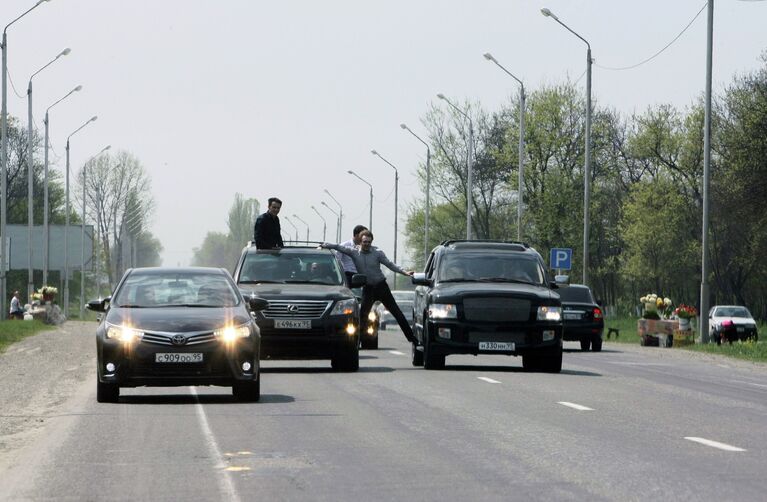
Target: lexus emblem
{"points": [[178, 339], [293, 309]]}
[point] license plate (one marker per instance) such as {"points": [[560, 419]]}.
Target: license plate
{"points": [[292, 324], [178, 357], [496, 345], [572, 316]]}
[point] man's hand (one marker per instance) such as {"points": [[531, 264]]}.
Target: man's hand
{"points": [[410, 272]]}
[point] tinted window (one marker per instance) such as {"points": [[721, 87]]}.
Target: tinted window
{"points": [[153, 289], [320, 268], [486, 266], [732, 312], [572, 294]]}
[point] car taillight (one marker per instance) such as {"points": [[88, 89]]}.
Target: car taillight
{"points": [[597, 313]]}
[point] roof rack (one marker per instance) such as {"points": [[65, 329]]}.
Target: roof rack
{"points": [[493, 241], [291, 244]]}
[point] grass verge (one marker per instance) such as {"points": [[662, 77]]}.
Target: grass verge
{"points": [[13, 331]]}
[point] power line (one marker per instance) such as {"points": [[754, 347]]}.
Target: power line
{"points": [[13, 86], [660, 51]]}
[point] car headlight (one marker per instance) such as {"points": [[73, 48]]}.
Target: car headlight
{"points": [[547, 313], [232, 333], [125, 334], [345, 307], [443, 311], [372, 316]]}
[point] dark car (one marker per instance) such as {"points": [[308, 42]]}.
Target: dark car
{"points": [[177, 326], [311, 313], [487, 297], [583, 319]]}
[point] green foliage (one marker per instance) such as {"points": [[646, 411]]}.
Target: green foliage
{"points": [[12, 331], [223, 250]]}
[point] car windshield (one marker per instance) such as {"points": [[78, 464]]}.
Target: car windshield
{"points": [[496, 267], [574, 294], [312, 268], [172, 289], [732, 312]]}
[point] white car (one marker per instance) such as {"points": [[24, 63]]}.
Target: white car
{"points": [[733, 322]]}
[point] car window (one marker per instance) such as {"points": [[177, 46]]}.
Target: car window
{"points": [[732, 312], [320, 268], [500, 266], [573, 294], [403, 296], [174, 289]]}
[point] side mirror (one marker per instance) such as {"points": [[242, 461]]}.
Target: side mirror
{"points": [[359, 280], [562, 279], [420, 279], [255, 303], [98, 305]]}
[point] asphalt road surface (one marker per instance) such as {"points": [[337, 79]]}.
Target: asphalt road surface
{"points": [[629, 423]]}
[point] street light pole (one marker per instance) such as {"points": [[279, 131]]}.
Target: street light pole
{"points": [[396, 205], [428, 189], [30, 175], [324, 224], [520, 202], [469, 166], [292, 225], [305, 224], [370, 225], [82, 234], [587, 167], [66, 223], [46, 211], [704, 289], [4, 160], [340, 213], [338, 218]]}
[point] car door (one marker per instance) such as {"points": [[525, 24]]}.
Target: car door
{"points": [[421, 297]]}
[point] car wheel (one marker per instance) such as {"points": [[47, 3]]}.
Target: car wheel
{"points": [[247, 391], [431, 361], [346, 360], [530, 362], [382, 326], [107, 392], [416, 356], [370, 342], [551, 360], [585, 344], [596, 344]]}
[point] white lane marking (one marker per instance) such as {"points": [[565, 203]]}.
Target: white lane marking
{"points": [[488, 380], [225, 483], [723, 366], [397, 353], [574, 406], [749, 383], [714, 444], [628, 363], [33, 350]]}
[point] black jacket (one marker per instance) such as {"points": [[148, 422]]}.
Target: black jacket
{"points": [[266, 232]]}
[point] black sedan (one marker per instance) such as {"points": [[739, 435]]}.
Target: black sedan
{"points": [[583, 319], [177, 326]]}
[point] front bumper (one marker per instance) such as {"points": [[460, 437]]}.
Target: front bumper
{"points": [[326, 337], [461, 337]]}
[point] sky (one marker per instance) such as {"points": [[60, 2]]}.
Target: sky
{"points": [[283, 98]]}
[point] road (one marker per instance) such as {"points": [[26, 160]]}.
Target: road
{"points": [[629, 423]]}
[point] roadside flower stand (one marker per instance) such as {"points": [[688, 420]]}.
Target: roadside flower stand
{"points": [[657, 332]]}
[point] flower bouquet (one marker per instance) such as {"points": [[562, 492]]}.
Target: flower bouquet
{"points": [[655, 307], [46, 293], [685, 311]]}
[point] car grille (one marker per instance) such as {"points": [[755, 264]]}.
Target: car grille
{"points": [[295, 309], [496, 309], [164, 338]]}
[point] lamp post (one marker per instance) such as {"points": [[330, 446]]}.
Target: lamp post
{"points": [[305, 224], [46, 227], [370, 225], [338, 219], [82, 234], [520, 202], [292, 225], [587, 166], [4, 158], [396, 200], [324, 223], [340, 213], [66, 223], [30, 175], [469, 167], [428, 189]]}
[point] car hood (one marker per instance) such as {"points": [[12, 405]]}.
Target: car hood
{"points": [[297, 291], [474, 289], [736, 320], [178, 319]]}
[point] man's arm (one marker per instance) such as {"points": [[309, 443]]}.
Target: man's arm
{"points": [[339, 248], [390, 264], [279, 235], [258, 232]]}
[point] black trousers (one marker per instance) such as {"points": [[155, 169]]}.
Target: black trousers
{"points": [[381, 292]]}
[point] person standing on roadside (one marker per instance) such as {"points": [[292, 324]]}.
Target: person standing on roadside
{"points": [[368, 260], [346, 261], [266, 231], [16, 311]]}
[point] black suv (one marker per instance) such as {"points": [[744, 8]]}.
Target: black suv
{"points": [[311, 312], [487, 297], [583, 317]]}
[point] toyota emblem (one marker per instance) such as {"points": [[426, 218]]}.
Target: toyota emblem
{"points": [[293, 309], [178, 339]]}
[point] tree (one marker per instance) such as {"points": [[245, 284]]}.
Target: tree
{"points": [[223, 250]]}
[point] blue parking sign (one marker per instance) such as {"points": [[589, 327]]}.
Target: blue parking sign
{"points": [[561, 258]]}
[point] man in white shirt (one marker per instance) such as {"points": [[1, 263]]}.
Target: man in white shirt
{"points": [[346, 262]]}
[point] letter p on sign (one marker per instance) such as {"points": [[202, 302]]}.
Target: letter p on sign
{"points": [[561, 258]]}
